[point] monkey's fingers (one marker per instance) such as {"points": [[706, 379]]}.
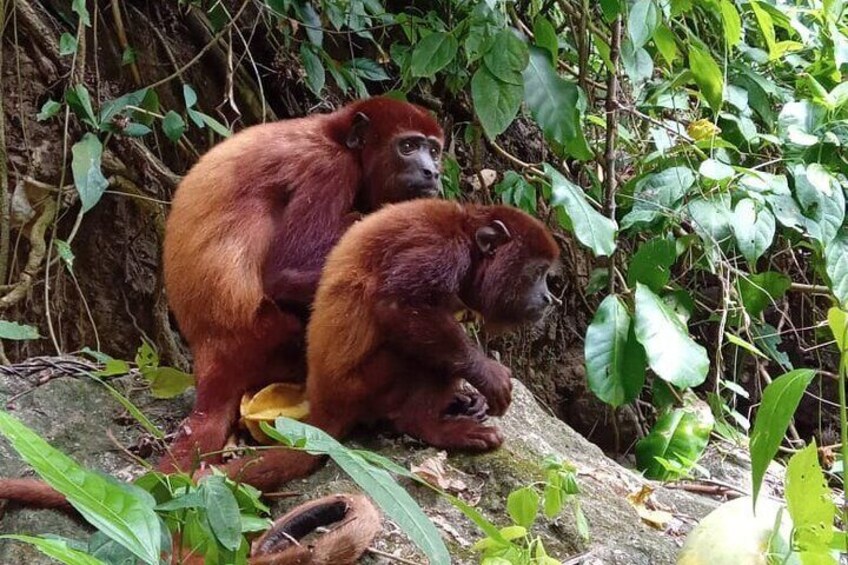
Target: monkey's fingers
{"points": [[468, 404]]}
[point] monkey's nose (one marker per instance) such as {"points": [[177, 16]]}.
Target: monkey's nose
{"points": [[429, 173]]}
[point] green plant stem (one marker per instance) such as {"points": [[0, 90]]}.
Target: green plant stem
{"points": [[843, 420]]}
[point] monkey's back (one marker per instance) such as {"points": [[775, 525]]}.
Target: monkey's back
{"points": [[343, 329], [222, 220]]}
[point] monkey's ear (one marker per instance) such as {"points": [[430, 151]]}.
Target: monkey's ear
{"points": [[492, 236], [356, 135]]}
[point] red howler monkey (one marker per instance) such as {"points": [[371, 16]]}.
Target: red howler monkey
{"points": [[248, 232], [383, 341]]}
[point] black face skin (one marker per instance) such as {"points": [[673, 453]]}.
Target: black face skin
{"points": [[534, 301], [421, 166]]}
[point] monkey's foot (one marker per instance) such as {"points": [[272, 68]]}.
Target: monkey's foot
{"points": [[468, 404], [459, 434]]}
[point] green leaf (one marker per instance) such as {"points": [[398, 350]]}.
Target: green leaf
{"points": [[222, 511], [80, 102], [762, 289], [398, 505], [798, 122], [121, 511], [754, 229], [809, 502], [712, 218], [129, 56], [780, 400], [666, 45], [766, 25], [495, 102], [167, 382], [837, 320], [57, 549], [306, 13], [615, 362], [507, 57], [554, 104], [651, 263], [48, 110], [119, 105], [739, 342], [592, 229], [707, 74], [65, 253], [67, 44], [610, 9], [367, 69], [672, 354], [88, 178], [680, 435], [657, 194], [523, 505], [836, 264], [433, 53], [822, 201], [173, 125], [214, 124], [545, 37], [189, 95], [78, 6], [16, 331], [715, 170], [732, 23], [642, 21], [637, 62]]}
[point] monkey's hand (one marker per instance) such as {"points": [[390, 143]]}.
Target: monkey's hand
{"points": [[468, 403], [493, 381]]}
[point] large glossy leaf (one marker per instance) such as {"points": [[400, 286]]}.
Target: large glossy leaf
{"points": [[88, 178], [822, 201], [592, 229], [651, 263], [398, 505], [507, 57], [798, 122], [523, 505], [657, 195], [637, 62], [836, 263], [315, 75], [495, 102], [57, 549], [810, 503], [679, 436], [545, 36], [732, 23], [707, 74], [754, 228], [615, 361], [553, 103], [837, 320], [780, 399], [433, 53], [672, 354], [642, 21], [121, 511]]}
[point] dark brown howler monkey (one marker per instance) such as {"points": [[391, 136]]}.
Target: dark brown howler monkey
{"points": [[383, 342]]}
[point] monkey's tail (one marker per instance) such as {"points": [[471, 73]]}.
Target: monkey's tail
{"points": [[33, 493]]}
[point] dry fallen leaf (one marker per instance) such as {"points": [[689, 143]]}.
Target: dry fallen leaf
{"points": [[273, 401], [640, 500], [433, 471]]}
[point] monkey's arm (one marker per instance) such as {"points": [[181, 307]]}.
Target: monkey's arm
{"points": [[432, 336]]}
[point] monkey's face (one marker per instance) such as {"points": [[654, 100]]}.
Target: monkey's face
{"points": [[418, 161], [521, 297]]}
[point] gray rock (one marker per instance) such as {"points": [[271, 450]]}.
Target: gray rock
{"points": [[76, 414]]}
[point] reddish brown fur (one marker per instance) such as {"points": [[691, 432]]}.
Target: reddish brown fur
{"points": [[250, 225], [383, 343]]}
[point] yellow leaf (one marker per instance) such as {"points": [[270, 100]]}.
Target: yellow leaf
{"points": [[270, 403], [702, 129]]}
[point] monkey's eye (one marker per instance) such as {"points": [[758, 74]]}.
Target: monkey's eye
{"points": [[406, 146], [435, 152]]}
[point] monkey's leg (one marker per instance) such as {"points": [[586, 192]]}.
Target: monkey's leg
{"points": [[424, 415], [225, 369]]}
